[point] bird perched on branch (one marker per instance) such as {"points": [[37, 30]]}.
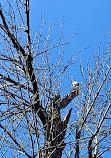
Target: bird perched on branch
{"points": [[75, 84]]}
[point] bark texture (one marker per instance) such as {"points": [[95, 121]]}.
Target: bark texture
{"points": [[78, 134], [54, 127]]}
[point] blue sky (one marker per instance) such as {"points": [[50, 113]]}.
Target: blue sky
{"points": [[92, 18]]}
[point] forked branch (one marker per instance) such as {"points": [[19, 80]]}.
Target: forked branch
{"points": [[37, 106]]}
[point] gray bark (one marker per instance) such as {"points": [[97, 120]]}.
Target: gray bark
{"points": [[55, 128]]}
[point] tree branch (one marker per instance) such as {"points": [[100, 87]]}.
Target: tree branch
{"points": [[12, 37], [37, 106], [15, 141], [66, 119], [68, 97], [92, 104], [14, 82], [28, 26]]}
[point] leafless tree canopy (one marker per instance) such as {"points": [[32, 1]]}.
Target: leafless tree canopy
{"points": [[36, 119]]}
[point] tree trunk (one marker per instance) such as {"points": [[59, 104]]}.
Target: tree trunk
{"points": [[54, 127], [54, 134], [90, 147], [77, 142]]}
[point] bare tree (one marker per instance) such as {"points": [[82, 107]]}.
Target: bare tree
{"points": [[94, 106], [31, 115], [28, 88]]}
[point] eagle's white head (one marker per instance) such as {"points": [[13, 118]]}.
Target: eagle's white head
{"points": [[75, 84]]}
